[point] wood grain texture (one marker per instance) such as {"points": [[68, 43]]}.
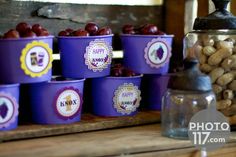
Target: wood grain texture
{"points": [[131, 141], [203, 7], [174, 24], [233, 7], [88, 123], [227, 151]]}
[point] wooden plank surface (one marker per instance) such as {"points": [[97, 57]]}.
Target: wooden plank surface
{"points": [[227, 151], [88, 123], [132, 141]]}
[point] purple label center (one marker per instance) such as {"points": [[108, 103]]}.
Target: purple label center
{"points": [[3, 110], [160, 52]]}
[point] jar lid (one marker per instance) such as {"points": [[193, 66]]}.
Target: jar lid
{"points": [[219, 19], [191, 79]]}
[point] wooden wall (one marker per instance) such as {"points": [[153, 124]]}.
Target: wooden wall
{"points": [[58, 16], [233, 7], [174, 24]]}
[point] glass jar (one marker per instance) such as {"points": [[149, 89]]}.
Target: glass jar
{"points": [[213, 43], [178, 108], [188, 92]]}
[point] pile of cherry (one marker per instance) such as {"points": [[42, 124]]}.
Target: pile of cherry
{"points": [[118, 70], [147, 29], [24, 30], [90, 29]]}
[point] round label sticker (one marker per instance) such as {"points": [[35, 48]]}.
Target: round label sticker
{"points": [[68, 103], [98, 55], [209, 129], [127, 98], [157, 53], [8, 110], [36, 59]]}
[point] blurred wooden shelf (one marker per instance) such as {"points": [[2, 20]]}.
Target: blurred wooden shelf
{"points": [[138, 141], [88, 123]]}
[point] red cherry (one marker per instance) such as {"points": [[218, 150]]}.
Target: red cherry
{"points": [[43, 32], [22, 27], [128, 72], [104, 31], [92, 28], [36, 28], [118, 65], [29, 33], [69, 30], [130, 32], [63, 33], [149, 29], [80, 32], [116, 72], [160, 33], [12, 34], [138, 29], [128, 29]]}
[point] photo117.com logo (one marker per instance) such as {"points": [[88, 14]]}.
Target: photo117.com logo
{"points": [[209, 130]]}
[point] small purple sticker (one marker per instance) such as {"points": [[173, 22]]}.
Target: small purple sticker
{"points": [[157, 53], [67, 103], [8, 110], [3, 110]]}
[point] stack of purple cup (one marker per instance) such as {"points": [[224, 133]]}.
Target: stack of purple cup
{"points": [[22, 60], [149, 55]]}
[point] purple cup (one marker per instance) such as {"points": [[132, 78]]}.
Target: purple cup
{"points": [[147, 54], [153, 89], [107, 90], [11, 50], [9, 105], [80, 56], [57, 102]]}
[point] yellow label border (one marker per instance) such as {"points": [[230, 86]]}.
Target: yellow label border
{"points": [[23, 58]]}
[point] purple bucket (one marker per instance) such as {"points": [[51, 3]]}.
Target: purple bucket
{"points": [[26, 60], [116, 96], [147, 54], [153, 89], [57, 102], [9, 104], [85, 57]]}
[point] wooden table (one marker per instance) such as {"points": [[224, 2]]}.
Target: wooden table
{"points": [[139, 141]]}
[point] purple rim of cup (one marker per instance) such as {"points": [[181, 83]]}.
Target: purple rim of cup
{"points": [[147, 36], [124, 77], [66, 81], [87, 37], [28, 38], [9, 85], [57, 96]]}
